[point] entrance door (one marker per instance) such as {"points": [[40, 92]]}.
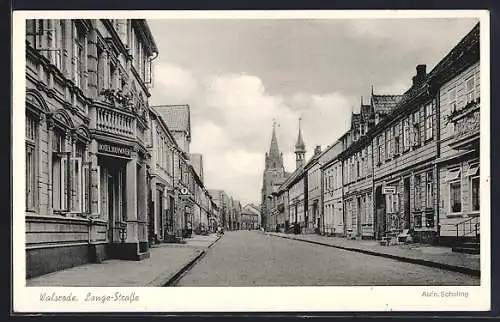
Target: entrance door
{"points": [[380, 220], [407, 203], [111, 209], [159, 207]]}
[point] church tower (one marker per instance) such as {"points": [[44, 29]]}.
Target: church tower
{"points": [[300, 150], [274, 172], [274, 158]]}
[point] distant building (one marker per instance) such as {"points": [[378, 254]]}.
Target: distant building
{"points": [[250, 217]]}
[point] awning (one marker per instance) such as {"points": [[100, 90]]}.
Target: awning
{"points": [[473, 170], [453, 174]]}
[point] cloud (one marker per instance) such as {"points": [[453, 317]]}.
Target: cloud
{"points": [[232, 120], [176, 84]]}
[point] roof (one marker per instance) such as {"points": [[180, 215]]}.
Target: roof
{"points": [[384, 104], [197, 162], [177, 117]]}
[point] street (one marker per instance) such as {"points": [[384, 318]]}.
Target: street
{"points": [[251, 258]]}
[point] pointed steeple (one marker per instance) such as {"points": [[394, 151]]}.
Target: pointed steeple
{"points": [[300, 145], [300, 148], [274, 159], [274, 149]]}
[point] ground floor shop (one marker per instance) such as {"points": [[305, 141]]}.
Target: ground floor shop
{"points": [[405, 204]]}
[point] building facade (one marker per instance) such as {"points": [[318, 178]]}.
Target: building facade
{"points": [[456, 80], [313, 173], [161, 196], [86, 141], [331, 182]]}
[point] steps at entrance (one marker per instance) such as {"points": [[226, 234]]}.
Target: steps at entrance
{"points": [[467, 248]]}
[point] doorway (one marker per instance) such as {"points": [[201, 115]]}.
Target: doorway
{"points": [[380, 220], [407, 203], [111, 208]]}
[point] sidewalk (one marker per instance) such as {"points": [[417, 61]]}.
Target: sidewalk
{"points": [[433, 256], [165, 262]]}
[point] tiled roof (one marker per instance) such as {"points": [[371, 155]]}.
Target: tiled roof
{"points": [[384, 104], [177, 117]]}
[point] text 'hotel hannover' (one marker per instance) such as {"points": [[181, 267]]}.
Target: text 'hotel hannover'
{"points": [[107, 175]]}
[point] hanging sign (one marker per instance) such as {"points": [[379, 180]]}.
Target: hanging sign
{"points": [[389, 190]]}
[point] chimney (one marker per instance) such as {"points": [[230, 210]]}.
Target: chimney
{"points": [[421, 74], [317, 150]]}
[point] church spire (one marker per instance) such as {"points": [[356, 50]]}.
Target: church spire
{"points": [[274, 149], [274, 159], [300, 148]]}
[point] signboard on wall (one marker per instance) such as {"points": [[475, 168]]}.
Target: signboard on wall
{"points": [[114, 149], [389, 190]]}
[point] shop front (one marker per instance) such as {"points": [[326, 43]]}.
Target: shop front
{"points": [[122, 198]]}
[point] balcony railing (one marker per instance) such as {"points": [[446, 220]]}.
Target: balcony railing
{"points": [[466, 126], [113, 121]]}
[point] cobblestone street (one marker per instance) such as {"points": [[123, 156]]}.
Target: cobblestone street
{"points": [[251, 258]]}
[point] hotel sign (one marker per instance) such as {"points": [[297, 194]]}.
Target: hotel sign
{"points": [[389, 190], [114, 149]]}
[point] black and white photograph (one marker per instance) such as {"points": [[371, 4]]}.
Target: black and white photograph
{"points": [[302, 160]]}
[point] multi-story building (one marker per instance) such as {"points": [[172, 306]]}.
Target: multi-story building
{"points": [[313, 172], [250, 215], [162, 197], [178, 121], [221, 199], [405, 147], [332, 223], [456, 80], [86, 141]]}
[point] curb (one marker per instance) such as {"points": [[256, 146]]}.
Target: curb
{"points": [[423, 262], [173, 279]]}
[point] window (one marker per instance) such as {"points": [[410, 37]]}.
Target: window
{"points": [[78, 55], [380, 149], [454, 181], [452, 99], [31, 162], [473, 174], [470, 89], [396, 140], [429, 191], [418, 221], [406, 134], [60, 172], [428, 121], [388, 144], [416, 130], [418, 192], [392, 206], [58, 44], [112, 76]]}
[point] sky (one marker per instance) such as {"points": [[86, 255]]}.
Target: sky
{"points": [[238, 75]]}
